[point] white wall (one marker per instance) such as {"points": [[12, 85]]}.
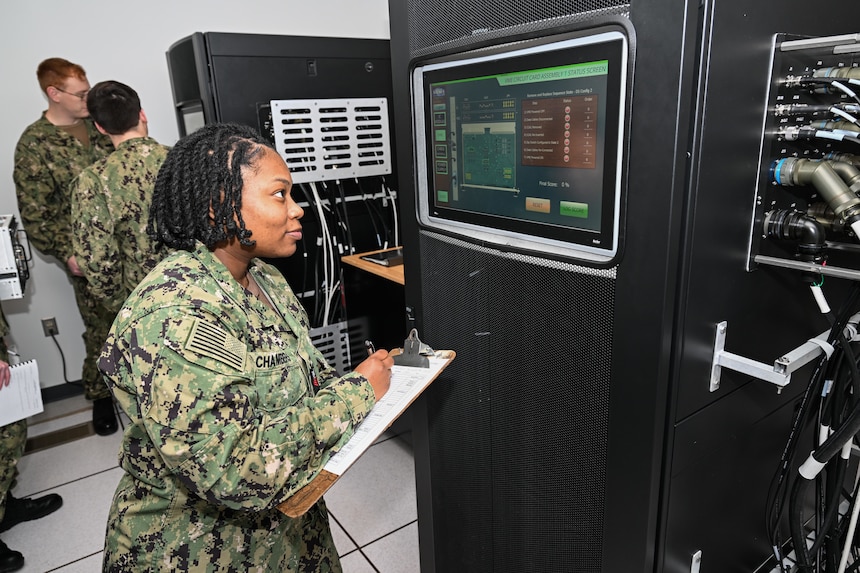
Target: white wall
{"points": [[124, 41]]}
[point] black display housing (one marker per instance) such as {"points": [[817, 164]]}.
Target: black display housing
{"points": [[519, 146]]}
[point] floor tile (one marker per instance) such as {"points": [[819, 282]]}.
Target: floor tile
{"points": [[92, 564], [342, 542], [397, 552], [377, 494], [374, 501], [74, 532], [57, 424], [60, 408], [42, 470], [356, 563]]}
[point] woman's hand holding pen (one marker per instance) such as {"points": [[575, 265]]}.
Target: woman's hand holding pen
{"points": [[377, 369]]}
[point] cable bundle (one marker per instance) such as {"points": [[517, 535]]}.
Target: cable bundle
{"points": [[845, 126], [322, 290], [823, 541]]}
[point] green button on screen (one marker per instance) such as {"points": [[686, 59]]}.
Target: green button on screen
{"points": [[571, 209]]}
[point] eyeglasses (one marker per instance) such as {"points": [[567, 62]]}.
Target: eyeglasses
{"points": [[80, 95]]}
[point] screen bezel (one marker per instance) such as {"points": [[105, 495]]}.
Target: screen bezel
{"points": [[513, 234]]}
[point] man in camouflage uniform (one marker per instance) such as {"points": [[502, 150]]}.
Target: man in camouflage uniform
{"points": [[13, 439], [225, 424], [111, 198], [49, 155]]}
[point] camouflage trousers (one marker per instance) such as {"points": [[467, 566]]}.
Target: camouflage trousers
{"points": [[13, 438], [165, 528], [97, 322]]}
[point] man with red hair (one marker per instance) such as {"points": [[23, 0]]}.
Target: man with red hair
{"points": [[49, 155]]}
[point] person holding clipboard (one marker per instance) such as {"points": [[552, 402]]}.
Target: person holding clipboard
{"points": [[13, 439], [232, 408]]}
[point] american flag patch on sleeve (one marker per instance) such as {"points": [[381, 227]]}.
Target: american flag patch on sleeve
{"points": [[211, 341]]}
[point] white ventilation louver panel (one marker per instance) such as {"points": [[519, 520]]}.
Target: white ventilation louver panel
{"points": [[333, 343], [327, 139]]}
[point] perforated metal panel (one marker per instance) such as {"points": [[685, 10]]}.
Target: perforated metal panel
{"points": [[327, 139], [519, 421], [441, 24], [333, 343]]}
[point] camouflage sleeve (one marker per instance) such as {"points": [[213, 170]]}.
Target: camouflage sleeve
{"points": [[4, 350], [234, 435], [41, 212], [4, 326], [95, 246]]}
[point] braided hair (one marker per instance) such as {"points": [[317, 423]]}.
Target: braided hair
{"points": [[198, 192]]}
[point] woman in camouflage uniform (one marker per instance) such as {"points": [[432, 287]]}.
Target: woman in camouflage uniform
{"points": [[232, 408]]}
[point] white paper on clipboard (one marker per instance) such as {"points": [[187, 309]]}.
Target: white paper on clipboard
{"points": [[22, 398], [406, 384]]}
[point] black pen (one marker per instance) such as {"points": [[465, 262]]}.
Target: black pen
{"points": [[370, 347]]}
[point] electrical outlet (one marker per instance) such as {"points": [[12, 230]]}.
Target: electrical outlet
{"points": [[49, 325]]}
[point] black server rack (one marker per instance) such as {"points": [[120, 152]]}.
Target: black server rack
{"points": [[232, 77], [579, 428]]}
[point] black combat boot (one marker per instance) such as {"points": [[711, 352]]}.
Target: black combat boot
{"points": [[104, 417], [26, 509], [10, 560]]}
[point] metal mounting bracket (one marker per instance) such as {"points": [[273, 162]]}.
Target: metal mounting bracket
{"points": [[779, 373]]}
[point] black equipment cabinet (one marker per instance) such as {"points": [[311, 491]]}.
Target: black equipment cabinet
{"points": [[230, 77], [576, 430], [233, 77]]}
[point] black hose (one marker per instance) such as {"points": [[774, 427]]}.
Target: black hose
{"points": [[843, 356], [795, 522], [832, 506], [782, 479]]}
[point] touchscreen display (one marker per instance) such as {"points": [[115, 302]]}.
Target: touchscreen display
{"points": [[522, 147]]}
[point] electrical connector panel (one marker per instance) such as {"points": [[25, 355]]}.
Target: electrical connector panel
{"points": [[807, 211], [14, 270]]}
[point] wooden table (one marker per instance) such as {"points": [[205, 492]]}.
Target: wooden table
{"points": [[394, 273]]}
